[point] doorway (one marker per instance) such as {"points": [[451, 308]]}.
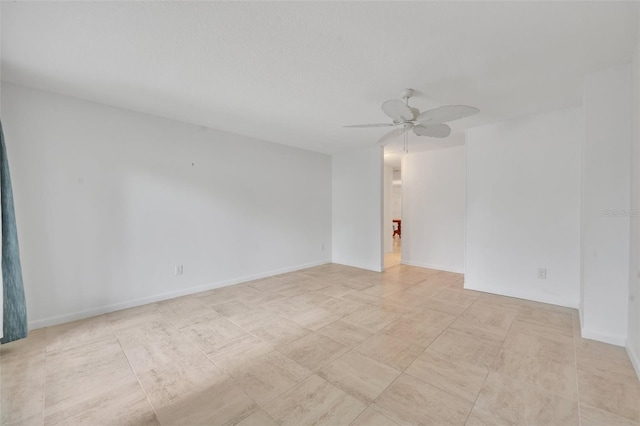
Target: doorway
{"points": [[392, 210]]}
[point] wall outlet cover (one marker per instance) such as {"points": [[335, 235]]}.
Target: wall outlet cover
{"points": [[542, 273]]}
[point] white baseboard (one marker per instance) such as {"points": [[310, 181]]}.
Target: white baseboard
{"points": [[601, 337], [542, 298], [360, 266], [60, 319], [635, 359], [446, 268]]}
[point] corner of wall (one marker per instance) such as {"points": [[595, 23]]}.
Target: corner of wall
{"points": [[603, 337], [520, 294], [633, 338], [635, 359], [606, 184], [357, 208]]}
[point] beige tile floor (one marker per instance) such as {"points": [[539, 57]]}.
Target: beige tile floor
{"points": [[329, 345], [394, 258]]}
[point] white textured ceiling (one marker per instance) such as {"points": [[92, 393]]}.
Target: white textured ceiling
{"points": [[294, 73]]}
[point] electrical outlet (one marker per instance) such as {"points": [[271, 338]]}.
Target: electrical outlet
{"points": [[179, 270], [542, 273]]}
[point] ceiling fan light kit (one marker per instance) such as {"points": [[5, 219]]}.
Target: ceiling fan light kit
{"points": [[428, 123]]}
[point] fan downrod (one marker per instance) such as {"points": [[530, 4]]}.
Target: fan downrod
{"points": [[407, 93]]}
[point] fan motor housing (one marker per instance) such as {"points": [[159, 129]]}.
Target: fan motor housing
{"points": [[407, 93]]}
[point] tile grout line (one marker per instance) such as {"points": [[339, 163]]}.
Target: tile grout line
{"points": [[490, 369], [402, 371], [273, 349], [198, 348], [313, 373], [536, 386], [376, 333], [135, 373], [216, 365], [575, 364], [351, 349], [44, 379]]}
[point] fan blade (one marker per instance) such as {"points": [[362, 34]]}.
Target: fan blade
{"points": [[435, 130], [372, 125], [446, 113], [397, 110], [392, 134]]}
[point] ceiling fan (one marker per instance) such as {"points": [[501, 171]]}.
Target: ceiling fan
{"points": [[427, 123]]}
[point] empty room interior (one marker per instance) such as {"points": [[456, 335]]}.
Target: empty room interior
{"points": [[320, 213]]}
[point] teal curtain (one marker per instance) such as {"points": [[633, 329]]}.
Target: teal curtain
{"points": [[14, 321]]}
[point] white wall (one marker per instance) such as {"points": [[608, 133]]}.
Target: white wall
{"points": [[108, 201], [357, 208], [605, 204], [433, 209], [523, 207], [396, 202], [387, 229], [633, 333]]}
